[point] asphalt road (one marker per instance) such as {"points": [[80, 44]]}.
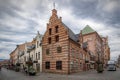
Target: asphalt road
{"points": [[88, 75]]}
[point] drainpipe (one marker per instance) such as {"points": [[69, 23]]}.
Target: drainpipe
{"points": [[68, 53]]}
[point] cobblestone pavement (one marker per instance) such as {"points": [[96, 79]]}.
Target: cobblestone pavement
{"points": [[88, 75]]}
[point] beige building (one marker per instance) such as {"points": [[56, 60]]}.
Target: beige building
{"points": [[38, 52], [26, 51], [34, 52]]}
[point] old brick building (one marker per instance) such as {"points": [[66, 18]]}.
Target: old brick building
{"points": [[62, 52], [95, 45], [106, 50]]}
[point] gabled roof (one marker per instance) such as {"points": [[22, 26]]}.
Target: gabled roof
{"points": [[87, 30], [71, 34]]}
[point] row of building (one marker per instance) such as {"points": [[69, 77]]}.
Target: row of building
{"points": [[59, 50]]}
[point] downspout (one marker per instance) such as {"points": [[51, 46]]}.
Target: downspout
{"points": [[68, 53]]}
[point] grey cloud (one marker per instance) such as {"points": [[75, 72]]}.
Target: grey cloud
{"points": [[6, 40], [3, 49], [30, 14], [94, 9]]}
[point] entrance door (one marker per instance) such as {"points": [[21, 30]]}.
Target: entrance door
{"points": [[38, 67]]}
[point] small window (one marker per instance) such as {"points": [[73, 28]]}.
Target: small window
{"points": [[80, 65], [73, 52], [32, 57], [47, 51], [56, 29], [59, 49], [50, 31], [57, 38], [49, 40], [38, 55], [59, 65], [37, 44], [25, 58], [47, 65], [81, 56], [40, 44]]}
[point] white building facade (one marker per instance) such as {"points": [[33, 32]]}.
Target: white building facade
{"points": [[35, 53], [32, 50]]}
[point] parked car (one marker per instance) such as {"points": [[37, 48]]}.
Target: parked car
{"points": [[111, 66]]}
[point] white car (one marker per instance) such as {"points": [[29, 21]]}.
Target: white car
{"points": [[111, 66]]}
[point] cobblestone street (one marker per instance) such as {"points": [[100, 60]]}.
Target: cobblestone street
{"points": [[89, 75]]}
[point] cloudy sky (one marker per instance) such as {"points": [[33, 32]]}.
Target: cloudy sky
{"points": [[21, 19]]}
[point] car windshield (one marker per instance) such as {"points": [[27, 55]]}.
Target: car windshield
{"points": [[111, 65]]}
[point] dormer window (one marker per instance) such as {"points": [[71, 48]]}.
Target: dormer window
{"points": [[56, 29], [50, 31]]}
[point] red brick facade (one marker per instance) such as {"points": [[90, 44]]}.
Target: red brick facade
{"points": [[61, 51]]}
